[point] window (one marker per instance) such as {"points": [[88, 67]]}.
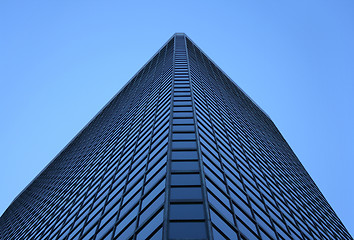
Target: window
{"points": [[184, 165], [186, 211], [184, 155], [183, 136], [185, 145], [186, 193], [183, 128], [187, 230], [185, 179]]}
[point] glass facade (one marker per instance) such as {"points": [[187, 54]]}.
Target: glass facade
{"points": [[181, 152]]}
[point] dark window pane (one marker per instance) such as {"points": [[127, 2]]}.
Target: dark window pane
{"points": [[183, 121], [182, 98], [184, 145], [186, 193], [182, 103], [184, 155], [186, 211], [181, 89], [187, 230], [179, 84], [183, 136], [182, 93], [185, 179], [182, 109], [185, 166], [183, 114], [183, 128]]}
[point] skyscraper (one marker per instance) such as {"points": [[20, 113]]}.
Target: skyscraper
{"points": [[181, 152]]}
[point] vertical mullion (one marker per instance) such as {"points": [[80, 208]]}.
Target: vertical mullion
{"points": [[202, 174]]}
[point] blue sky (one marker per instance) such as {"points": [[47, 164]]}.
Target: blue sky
{"points": [[61, 61]]}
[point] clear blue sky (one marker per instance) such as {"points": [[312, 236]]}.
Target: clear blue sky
{"points": [[61, 61]]}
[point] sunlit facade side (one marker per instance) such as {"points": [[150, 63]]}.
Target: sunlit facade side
{"points": [[181, 152]]}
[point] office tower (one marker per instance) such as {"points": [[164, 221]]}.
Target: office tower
{"points": [[181, 152]]}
